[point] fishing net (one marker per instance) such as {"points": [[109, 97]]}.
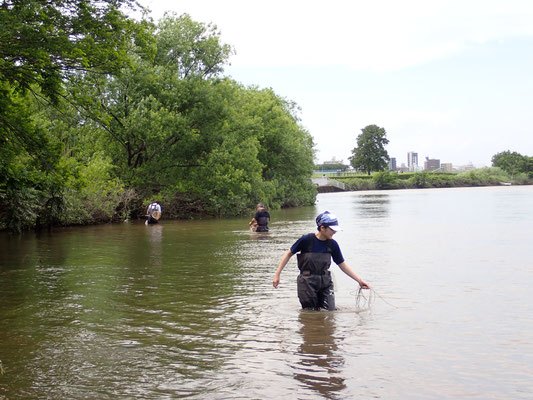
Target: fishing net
{"points": [[364, 298]]}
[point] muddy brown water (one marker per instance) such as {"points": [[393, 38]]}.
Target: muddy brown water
{"points": [[186, 309]]}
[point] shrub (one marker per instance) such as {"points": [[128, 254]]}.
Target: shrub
{"points": [[384, 180]]}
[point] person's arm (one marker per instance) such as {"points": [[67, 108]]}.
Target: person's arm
{"points": [[253, 221], [284, 260], [351, 273]]}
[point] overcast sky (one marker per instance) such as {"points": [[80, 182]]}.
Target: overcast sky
{"points": [[450, 79]]}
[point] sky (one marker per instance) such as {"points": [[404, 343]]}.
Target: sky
{"points": [[447, 79]]}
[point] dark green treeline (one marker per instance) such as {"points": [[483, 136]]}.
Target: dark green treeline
{"points": [[100, 114]]}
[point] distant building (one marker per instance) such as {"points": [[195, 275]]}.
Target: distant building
{"points": [[392, 164], [447, 167], [466, 167], [403, 168], [334, 161], [331, 166], [431, 164], [412, 161]]}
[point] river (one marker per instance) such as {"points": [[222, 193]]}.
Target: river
{"points": [[186, 309]]}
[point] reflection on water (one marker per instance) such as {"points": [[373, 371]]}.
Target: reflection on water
{"points": [[319, 361], [259, 235], [372, 205], [187, 308], [155, 239]]}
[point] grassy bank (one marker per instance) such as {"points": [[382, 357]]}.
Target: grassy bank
{"points": [[425, 179]]}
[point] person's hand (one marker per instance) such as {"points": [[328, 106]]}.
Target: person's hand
{"points": [[275, 281], [364, 285]]}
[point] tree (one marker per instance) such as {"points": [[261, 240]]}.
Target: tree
{"points": [[42, 42], [42, 45], [159, 113], [513, 162], [370, 154], [94, 141], [173, 125]]}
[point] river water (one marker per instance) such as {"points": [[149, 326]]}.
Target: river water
{"points": [[186, 309]]}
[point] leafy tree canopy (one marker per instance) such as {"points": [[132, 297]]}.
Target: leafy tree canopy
{"points": [[44, 41], [370, 154], [107, 120], [513, 162]]}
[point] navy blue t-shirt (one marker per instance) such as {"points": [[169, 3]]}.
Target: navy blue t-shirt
{"points": [[319, 246]]}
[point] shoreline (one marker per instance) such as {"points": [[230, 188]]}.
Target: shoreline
{"points": [[333, 189]]}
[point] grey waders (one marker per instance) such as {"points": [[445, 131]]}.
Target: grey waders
{"points": [[315, 286]]}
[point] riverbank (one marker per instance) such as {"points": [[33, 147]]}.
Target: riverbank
{"points": [[187, 206], [419, 180]]}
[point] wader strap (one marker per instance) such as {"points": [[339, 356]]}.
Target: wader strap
{"points": [[310, 245]]}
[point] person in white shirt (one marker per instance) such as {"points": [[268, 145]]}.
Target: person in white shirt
{"points": [[153, 213]]}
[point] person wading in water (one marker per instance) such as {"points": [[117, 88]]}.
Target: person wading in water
{"points": [[315, 286], [153, 213], [259, 222]]}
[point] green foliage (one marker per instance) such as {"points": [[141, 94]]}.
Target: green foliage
{"points": [[425, 179], [360, 183], [244, 159], [286, 149], [42, 44], [94, 195], [331, 167], [370, 154], [482, 177], [419, 179], [190, 48], [20, 207], [513, 163], [384, 180], [30, 172], [160, 114], [60, 38], [139, 112]]}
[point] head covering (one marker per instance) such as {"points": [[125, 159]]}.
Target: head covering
{"points": [[329, 220]]}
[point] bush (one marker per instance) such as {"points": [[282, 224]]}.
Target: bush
{"points": [[424, 179], [93, 195], [384, 180], [359, 184]]}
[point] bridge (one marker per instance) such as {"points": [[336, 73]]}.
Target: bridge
{"points": [[326, 184]]}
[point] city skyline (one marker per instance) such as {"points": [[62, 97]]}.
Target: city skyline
{"points": [[398, 165]]}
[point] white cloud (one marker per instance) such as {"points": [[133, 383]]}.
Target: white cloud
{"points": [[382, 35]]}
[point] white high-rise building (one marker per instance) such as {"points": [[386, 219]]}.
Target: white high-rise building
{"points": [[412, 161]]}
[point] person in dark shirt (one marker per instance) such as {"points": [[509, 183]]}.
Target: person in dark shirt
{"points": [[315, 286], [259, 222]]}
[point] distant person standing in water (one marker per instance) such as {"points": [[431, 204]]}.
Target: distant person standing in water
{"points": [[259, 222], [315, 286], [153, 213]]}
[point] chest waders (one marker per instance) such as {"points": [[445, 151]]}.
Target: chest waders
{"points": [[262, 224], [315, 286]]}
